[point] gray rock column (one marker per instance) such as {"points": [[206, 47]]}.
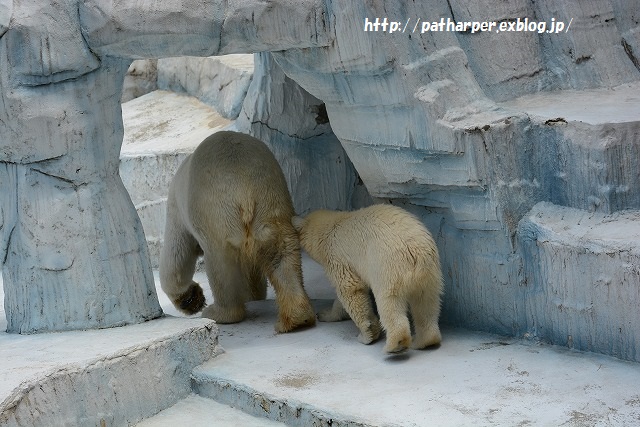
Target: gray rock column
{"points": [[72, 248], [74, 252]]}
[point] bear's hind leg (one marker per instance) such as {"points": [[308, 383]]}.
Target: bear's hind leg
{"points": [[257, 284], [294, 307], [425, 311], [228, 285], [393, 316], [353, 293], [177, 265]]}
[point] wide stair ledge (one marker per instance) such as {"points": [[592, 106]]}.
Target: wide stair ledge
{"points": [[583, 278], [324, 377]]}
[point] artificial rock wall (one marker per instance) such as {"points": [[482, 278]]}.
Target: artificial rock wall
{"points": [[296, 127]]}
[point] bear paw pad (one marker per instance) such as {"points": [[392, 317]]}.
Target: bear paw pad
{"points": [[191, 301]]}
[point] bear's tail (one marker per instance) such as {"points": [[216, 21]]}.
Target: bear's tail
{"points": [[255, 233], [247, 215]]}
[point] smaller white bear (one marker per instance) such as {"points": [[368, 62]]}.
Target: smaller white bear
{"points": [[388, 250]]}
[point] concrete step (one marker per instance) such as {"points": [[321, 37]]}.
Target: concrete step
{"points": [[323, 376], [582, 278], [108, 377], [585, 145], [197, 411]]}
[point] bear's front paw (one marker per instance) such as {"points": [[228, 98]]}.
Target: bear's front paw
{"points": [[302, 317], [225, 314], [334, 314], [191, 301]]}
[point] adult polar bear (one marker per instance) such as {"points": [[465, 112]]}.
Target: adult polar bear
{"points": [[229, 201], [387, 249]]}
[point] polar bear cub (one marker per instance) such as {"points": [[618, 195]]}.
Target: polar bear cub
{"points": [[388, 250], [229, 201]]}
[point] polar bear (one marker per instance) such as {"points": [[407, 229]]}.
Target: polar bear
{"points": [[229, 202], [388, 250]]}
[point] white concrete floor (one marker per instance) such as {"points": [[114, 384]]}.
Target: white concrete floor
{"points": [[473, 379]]}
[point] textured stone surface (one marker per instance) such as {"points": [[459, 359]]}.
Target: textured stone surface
{"points": [[221, 82], [583, 272], [148, 29], [6, 8], [198, 411], [294, 124], [72, 243], [324, 376]]}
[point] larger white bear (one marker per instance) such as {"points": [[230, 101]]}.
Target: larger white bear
{"points": [[388, 250], [229, 201]]}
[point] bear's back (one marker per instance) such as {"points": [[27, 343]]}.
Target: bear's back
{"points": [[382, 222], [234, 179], [236, 168], [236, 157], [380, 235]]}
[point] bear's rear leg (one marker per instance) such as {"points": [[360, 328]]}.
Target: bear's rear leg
{"points": [[257, 284], [228, 285], [393, 316], [353, 295], [294, 307], [425, 311], [177, 265]]}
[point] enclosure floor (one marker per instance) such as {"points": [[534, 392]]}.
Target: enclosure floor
{"points": [[472, 379]]}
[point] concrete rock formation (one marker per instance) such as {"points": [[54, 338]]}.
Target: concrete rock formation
{"points": [[221, 82], [295, 125]]}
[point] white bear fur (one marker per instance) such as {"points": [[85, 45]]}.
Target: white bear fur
{"points": [[388, 250], [229, 202]]}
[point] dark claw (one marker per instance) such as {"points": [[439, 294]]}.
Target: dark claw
{"points": [[192, 301]]}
